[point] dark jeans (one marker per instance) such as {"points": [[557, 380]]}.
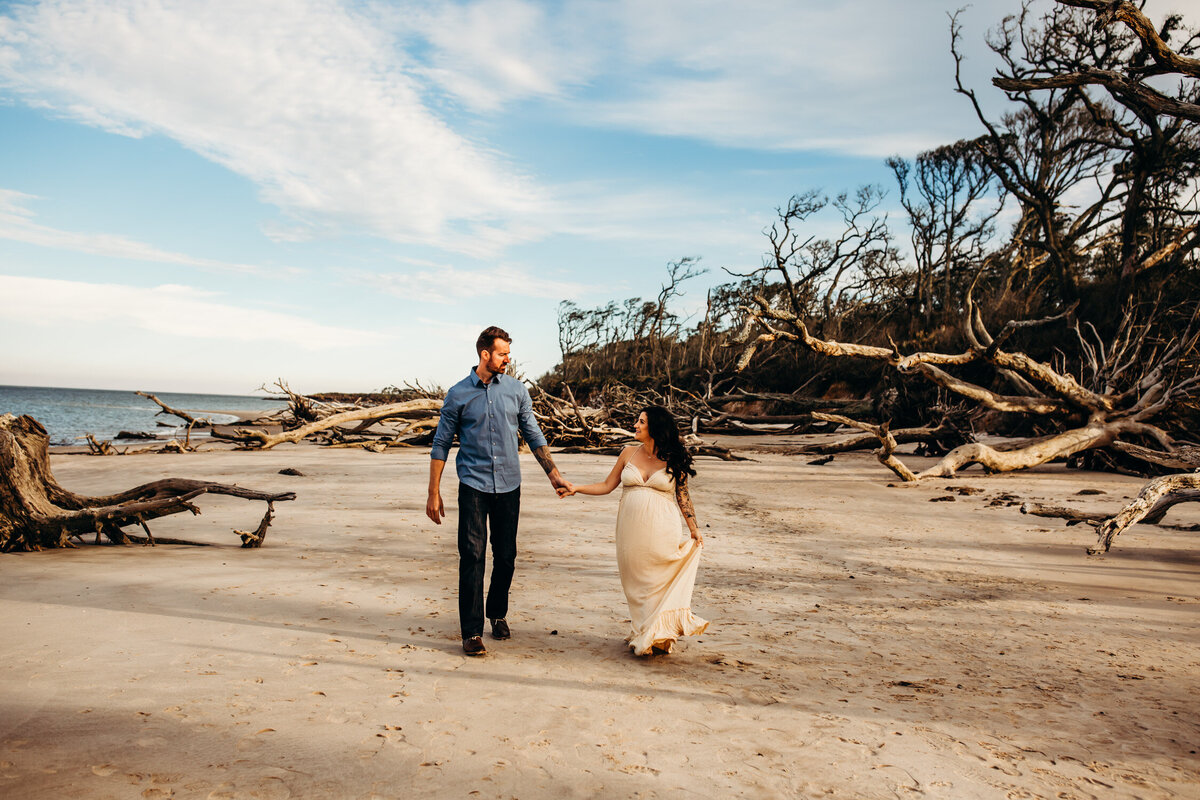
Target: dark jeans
{"points": [[475, 509]]}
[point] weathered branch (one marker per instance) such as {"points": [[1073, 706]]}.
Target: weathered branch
{"points": [[1151, 503], [1110, 11], [1180, 459], [1010, 403], [887, 443], [166, 409], [251, 439], [1062, 445], [1117, 84], [1062, 512], [901, 436]]}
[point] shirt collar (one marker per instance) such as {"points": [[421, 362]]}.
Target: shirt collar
{"points": [[477, 382]]}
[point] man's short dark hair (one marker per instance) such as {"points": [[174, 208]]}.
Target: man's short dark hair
{"points": [[487, 339]]}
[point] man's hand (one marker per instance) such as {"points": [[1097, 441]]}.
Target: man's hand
{"points": [[434, 508], [557, 481], [566, 491]]}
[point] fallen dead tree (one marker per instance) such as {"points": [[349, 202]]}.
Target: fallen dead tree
{"points": [[567, 424], [37, 513], [183, 415], [1150, 506], [302, 409], [1133, 380], [605, 430], [255, 439], [105, 447]]}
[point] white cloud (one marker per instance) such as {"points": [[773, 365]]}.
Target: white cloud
{"points": [[310, 100], [868, 77], [490, 52], [864, 78], [447, 284], [17, 224], [170, 310], [339, 112]]}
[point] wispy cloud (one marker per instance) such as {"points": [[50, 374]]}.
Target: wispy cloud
{"points": [[446, 284], [349, 117], [868, 77], [17, 224], [170, 310], [489, 53], [311, 100]]}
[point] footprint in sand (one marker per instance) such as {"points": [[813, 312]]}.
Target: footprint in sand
{"points": [[253, 741], [262, 789], [103, 770]]}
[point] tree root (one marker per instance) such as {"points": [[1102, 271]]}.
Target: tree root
{"points": [[37, 513]]}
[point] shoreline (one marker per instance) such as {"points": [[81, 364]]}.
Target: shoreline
{"points": [[865, 642]]}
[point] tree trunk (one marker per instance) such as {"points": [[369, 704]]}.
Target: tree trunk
{"points": [[37, 513], [1067, 443]]}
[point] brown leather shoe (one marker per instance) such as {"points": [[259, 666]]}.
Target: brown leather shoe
{"points": [[473, 646], [500, 629]]}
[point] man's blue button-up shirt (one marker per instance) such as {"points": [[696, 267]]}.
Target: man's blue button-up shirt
{"points": [[486, 417]]}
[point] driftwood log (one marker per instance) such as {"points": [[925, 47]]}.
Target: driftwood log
{"points": [[183, 415], [253, 439], [36, 513], [1150, 506]]}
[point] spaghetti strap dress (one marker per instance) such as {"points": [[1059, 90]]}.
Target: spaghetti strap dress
{"points": [[657, 562]]}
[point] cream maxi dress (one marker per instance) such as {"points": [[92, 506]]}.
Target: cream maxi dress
{"points": [[657, 563]]}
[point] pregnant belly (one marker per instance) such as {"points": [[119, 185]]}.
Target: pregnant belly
{"points": [[649, 527]]}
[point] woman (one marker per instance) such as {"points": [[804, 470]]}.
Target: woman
{"points": [[657, 569]]}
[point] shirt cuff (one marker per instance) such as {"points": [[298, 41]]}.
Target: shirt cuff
{"points": [[438, 453]]}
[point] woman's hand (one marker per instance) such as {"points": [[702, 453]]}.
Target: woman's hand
{"points": [[698, 537]]}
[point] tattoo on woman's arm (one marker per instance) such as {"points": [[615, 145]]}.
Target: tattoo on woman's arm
{"points": [[542, 454], [685, 503]]}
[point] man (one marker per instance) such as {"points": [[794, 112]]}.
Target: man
{"points": [[486, 409]]}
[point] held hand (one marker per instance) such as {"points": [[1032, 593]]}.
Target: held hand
{"points": [[557, 480], [698, 537], [434, 508], [566, 491]]}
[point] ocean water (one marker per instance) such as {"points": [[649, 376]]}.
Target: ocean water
{"points": [[69, 414]]}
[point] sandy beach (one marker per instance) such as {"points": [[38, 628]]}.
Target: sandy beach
{"points": [[866, 642]]}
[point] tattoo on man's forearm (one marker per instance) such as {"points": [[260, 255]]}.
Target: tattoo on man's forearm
{"points": [[542, 454], [685, 503]]}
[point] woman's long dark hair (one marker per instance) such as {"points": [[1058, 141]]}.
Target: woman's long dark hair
{"points": [[667, 444]]}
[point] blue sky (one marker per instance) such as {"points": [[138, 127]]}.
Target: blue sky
{"points": [[205, 196]]}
